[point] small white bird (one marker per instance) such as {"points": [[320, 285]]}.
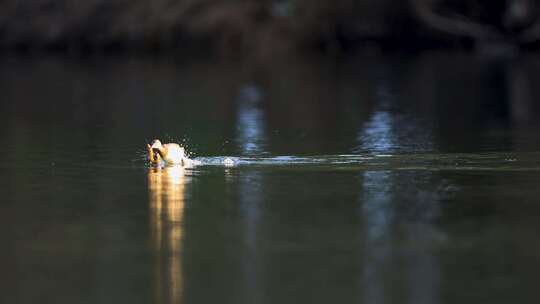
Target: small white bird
{"points": [[171, 153]]}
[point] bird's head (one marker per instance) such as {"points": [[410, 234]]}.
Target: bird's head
{"points": [[154, 151]]}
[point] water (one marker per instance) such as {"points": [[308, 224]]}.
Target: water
{"points": [[382, 179]]}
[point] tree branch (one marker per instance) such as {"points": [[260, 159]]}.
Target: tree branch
{"points": [[424, 11]]}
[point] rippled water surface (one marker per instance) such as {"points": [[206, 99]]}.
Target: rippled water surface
{"points": [[379, 179]]}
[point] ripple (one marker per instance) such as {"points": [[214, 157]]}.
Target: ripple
{"points": [[495, 161], [462, 161]]}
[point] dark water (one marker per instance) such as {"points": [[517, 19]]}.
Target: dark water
{"points": [[382, 179]]}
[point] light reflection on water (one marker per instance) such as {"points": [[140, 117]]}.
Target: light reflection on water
{"points": [[251, 198], [378, 212], [378, 135], [250, 136], [420, 272], [166, 186], [250, 120]]}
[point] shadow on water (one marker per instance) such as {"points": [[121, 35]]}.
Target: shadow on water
{"points": [[379, 179]]}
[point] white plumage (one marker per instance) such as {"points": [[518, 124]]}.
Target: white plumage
{"points": [[170, 153]]}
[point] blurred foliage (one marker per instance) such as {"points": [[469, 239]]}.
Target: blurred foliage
{"points": [[237, 27]]}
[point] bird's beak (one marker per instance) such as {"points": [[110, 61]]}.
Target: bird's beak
{"points": [[156, 151]]}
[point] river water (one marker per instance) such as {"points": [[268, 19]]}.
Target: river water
{"points": [[376, 179]]}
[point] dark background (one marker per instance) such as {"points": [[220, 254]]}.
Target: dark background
{"points": [[260, 28]]}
